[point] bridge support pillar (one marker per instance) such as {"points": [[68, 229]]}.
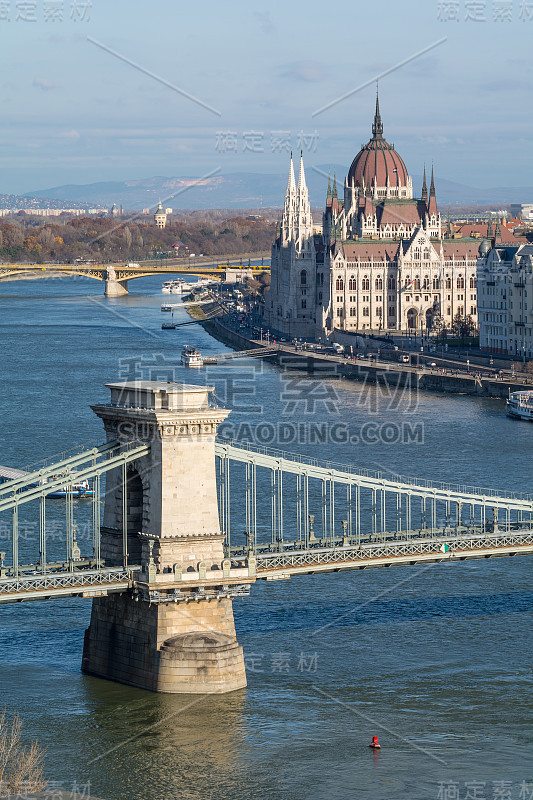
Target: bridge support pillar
{"points": [[174, 630], [114, 287]]}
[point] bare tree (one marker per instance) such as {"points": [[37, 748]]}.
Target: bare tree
{"points": [[21, 768]]}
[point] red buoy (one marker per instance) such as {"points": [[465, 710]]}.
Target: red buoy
{"points": [[374, 744]]}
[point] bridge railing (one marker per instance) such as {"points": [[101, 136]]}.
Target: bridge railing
{"points": [[293, 502], [406, 480], [50, 519]]}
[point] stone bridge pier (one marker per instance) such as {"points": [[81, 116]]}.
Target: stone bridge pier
{"points": [[114, 287], [174, 630]]}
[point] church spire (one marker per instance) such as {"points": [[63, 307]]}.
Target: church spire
{"points": [[291, 183], [301, 174], [424, 187], [329, 186], [377, 127], [498, 231], [432, 206], [334, 192], [489, 227]]}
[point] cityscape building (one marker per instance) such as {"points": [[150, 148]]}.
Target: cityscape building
{"points": [[160, 216], [383, 262], [505, 297]]}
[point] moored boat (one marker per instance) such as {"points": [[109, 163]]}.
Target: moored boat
{"points": [[520, 405], [190, 357], [173, 287]]}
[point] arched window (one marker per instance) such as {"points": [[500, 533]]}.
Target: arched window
{"points": [[436, 284], [426, 253], [379, 283], [392, 283], [417, 284], [472, 282], [303, 277], [416, 253], [426, 282], [448, 283], [340, 285], [366, 284], [460, 282], [352, 284]]}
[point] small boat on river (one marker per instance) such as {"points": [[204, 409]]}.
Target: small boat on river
{"points": [[190, 357]]}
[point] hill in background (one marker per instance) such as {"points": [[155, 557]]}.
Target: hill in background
{"points": [[251, 190]]}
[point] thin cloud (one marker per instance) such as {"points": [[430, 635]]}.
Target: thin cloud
{"points": [[266, 24], [72, 134], [308, 71], [44, 85]]}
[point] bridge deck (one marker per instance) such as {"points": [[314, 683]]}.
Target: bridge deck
{"points": [[74, 583], [272, 566]]}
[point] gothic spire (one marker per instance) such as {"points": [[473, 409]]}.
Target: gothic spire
{"points": [[424, 187], [291, 183], [377, 127], [301, 174], [334, 192], [432, 186], [329, 186], [432, 206], [498, 231], [489, 227]]}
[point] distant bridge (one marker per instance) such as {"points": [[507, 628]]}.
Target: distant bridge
{"points": [[116, 276]]}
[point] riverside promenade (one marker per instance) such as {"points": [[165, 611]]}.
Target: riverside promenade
{"points": [[446, 376]]}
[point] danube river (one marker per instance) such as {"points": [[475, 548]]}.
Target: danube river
{"points": [[436, 662]]}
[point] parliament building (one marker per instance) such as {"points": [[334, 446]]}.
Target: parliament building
{"points": [[382, 261]]}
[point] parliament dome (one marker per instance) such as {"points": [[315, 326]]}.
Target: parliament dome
{"points": [[378, 161]]}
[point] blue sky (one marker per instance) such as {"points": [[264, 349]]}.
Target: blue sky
{"points": [[74, 113]]}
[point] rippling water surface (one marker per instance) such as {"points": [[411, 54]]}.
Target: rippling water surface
{"points": [[439, 665]]}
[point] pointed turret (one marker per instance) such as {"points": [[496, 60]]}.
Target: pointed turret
{"points": [[301, 175], [432, 207], [377, 127], [329, 187], [498, 231], [489, 227], [291, 183], [334, 192], [424, 187]]}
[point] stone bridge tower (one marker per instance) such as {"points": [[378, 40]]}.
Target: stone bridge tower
{"points": [[174, 630]]}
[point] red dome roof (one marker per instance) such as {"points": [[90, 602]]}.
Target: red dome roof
{"points": [[377, 161]]}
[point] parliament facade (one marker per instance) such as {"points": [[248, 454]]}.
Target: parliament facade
{"points": [[382, 261]]}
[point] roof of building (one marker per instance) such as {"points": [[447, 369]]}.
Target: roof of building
{"points": [[460, 249], [394, 212], [378, 162], [365, 249]]}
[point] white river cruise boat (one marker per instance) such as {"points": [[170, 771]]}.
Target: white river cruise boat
{"points": [[174, 287], [190, 357], [520, 405]]}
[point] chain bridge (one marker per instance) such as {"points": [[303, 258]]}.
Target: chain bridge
{"points": [[116, 276], [191, 521]]}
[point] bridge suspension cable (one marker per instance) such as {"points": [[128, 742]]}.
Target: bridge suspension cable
{"points": [[318, 506], [55, 552]]}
